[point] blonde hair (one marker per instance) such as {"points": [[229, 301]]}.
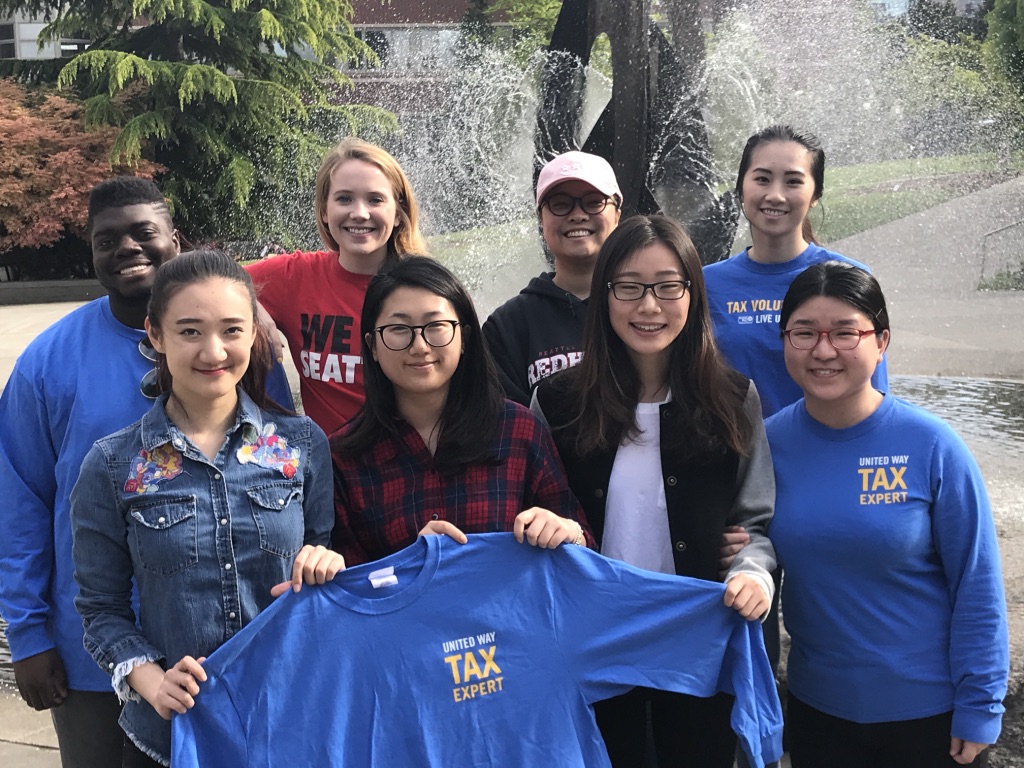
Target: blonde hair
{"points": [[406, 237]]}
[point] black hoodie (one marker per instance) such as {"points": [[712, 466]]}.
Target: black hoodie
{"points": [[535, 334]]}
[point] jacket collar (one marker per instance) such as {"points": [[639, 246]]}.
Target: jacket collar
{"points": [[158, 429]]}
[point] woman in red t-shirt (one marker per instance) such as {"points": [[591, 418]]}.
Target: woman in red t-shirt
{"points": [[366, 215]]}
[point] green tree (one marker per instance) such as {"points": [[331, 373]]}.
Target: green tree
{"points": [[534, 20], [475, 28], [221, 92], [938, 19], [1005, 41], [953, 102]]}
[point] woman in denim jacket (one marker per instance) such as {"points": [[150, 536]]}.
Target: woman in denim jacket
{"points": [[214, 503]]}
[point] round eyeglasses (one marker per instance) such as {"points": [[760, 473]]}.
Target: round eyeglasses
{"points": [[667, 290], [839, 338], [399, 336], [149, 386], [563, 205]]}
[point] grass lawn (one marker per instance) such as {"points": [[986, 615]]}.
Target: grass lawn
{"points": [[842, 215], [861, 197], [854, 176], [485, 243]]}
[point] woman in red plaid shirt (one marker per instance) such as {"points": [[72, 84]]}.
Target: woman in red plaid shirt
{"points": [[436, 449]]}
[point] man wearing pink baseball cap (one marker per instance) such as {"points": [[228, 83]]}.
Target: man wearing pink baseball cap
{"points": [[540, 331]]}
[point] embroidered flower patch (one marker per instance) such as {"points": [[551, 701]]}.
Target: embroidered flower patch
{"points": [[151, 467], [269, 450]]}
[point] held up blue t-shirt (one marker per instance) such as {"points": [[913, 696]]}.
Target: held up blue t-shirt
{"points": [[488, 653]]}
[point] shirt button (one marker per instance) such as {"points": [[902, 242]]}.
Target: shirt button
{"points": [[110, 665], [434, 516], [177, 443], [599, 493], [231, 615], [223, 521], [216, 476], [227, 567], [161, 519], [671, 480], [680, 546], [280, 502]]}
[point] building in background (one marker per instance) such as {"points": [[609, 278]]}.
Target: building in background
{"points": [[19, 40]]}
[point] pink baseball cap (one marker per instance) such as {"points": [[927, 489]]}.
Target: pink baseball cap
{"points": [[578, 166]]}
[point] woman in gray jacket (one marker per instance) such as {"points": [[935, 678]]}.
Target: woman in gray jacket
{"points": [[664, 446]]}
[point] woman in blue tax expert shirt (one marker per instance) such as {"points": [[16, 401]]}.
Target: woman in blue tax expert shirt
{"points": [[893, 592], [214, 503]]}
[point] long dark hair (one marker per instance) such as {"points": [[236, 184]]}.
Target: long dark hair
{"points": [[708, 415], [838, 280], [808, 141], [474, 403], [195, 267]]}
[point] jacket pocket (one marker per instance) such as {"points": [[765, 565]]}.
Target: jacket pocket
{"points": [[277, 510], [166, 534]]}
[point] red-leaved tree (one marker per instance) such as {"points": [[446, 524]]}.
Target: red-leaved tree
{"points": [[48, 163]]}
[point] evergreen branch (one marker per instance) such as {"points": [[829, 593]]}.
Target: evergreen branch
{"points": [[269, 27], [127, 149], [237, 180], [199, 81]]}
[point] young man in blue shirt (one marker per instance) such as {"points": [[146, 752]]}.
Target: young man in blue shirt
{"points": [[83, 378]]}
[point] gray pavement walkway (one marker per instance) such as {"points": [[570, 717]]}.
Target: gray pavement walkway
{"points": [[928, 264], [27, 739]]}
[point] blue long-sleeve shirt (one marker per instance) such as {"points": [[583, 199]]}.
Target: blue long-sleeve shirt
{"points": [[485, 653], [893, 592], [76, 382]]}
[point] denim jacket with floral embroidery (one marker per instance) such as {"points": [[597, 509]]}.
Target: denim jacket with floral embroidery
{"points": [[204, 540]]}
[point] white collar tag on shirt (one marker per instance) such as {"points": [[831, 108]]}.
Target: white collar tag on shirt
{"points": [[385, 577]]}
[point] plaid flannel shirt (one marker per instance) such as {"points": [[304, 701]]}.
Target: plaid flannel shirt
{"points": [[385, 497]]}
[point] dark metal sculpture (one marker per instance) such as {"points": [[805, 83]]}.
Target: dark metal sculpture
{"points": [[652, 131]]}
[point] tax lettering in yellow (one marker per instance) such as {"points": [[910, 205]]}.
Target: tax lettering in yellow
{"points": [[882, 485], [475, 673]]}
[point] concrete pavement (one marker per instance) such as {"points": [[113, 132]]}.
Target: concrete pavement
{"points": [[929, 266], [27, 739]]}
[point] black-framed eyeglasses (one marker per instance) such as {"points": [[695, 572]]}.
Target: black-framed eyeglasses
{"points": [[149, 386], [839, 338], [399, 336], [562, 205], [666, 290]]}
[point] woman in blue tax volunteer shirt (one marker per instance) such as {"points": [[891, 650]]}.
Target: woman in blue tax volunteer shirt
{"points": [[214, 502], [893, 593], [781, 178]]}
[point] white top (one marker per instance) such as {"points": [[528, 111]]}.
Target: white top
{"points": [[636, 514]]}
